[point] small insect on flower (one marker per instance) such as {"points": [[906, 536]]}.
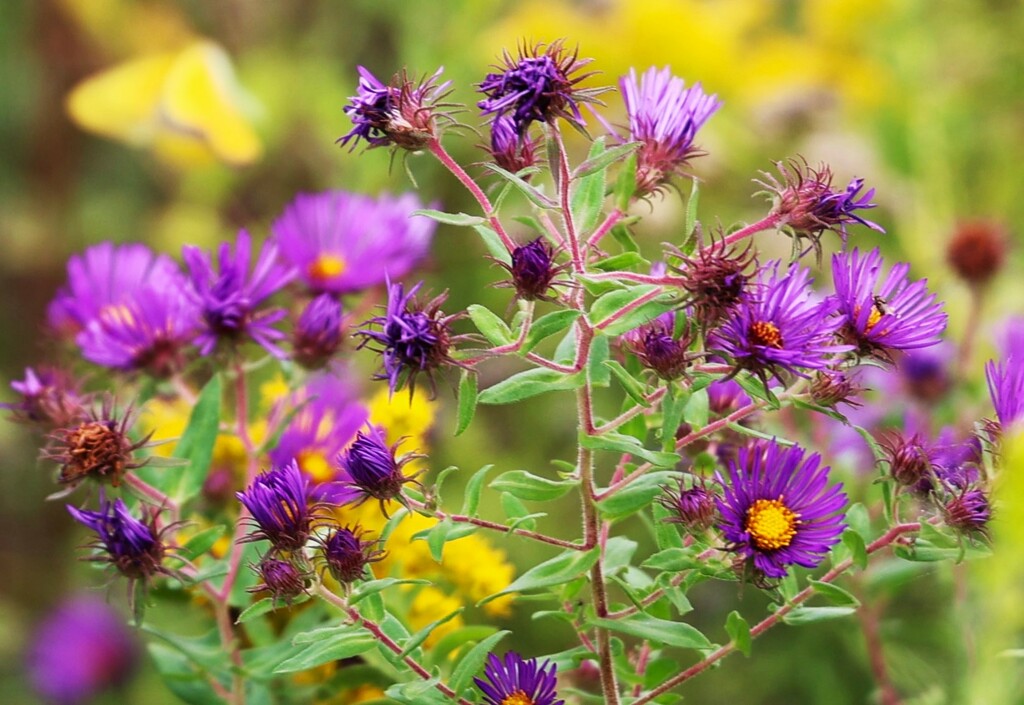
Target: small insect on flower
{"points": [[277, 501], [282, 579], [373, 466], [346, 554], [96, 447], [514, 680], [778, 509]]}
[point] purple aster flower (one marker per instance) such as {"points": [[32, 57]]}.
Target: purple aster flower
{"points": [[778, 508], [81, 649], [518, 681], [108, 275], [402, 113], [664, 116], [968, 512], [726, 395], [282, 579], [341, 242], [132, 546], [777, 326], [658, 348], [375, 470], [1006, 387], [49, 398], [805, 201], [414, 338], [329, 416], [538, 86], [317, 335], [147, 331], [1010, 336], [693, 507], [97, 446], [277, 502], [346, 554], [956, 458], [228, 298], [510, 150], [925, 372], [879, 318]]}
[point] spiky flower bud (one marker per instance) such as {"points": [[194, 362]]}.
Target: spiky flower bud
{"points": [[714, 279], [132, 546], [282, 579], [402, 114], [977, 251], [277, 502], [968, 512], [909, 461], [533, 270], [658, 348], [373, 467], [832, 387], [49, 399], [346, 554], [317, 335], [97, 447], [511, 151], [694, 507]]}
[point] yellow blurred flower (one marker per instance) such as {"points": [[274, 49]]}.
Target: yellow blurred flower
{"points": [[185, 105], [478, 569], [431, 604], [402, 416]]}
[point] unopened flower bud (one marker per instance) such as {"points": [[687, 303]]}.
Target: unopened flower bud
{"points": [[977, 250]]}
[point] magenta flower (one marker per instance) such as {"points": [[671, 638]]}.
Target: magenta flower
{"points": [[402, 113], [342, 242], [277, 502], [514, 680]]}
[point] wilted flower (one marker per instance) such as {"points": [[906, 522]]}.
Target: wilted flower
{"points": [[317, 335], [538, 86], [97, 447], [881, 317], [518, 681], [277, 501], [229, 297], [777, 327], [414, 338], [658, 346], [402, 113], [49, 397], [664, 116], [82, 648], [714, 278], [693, 507], [778, 508], [346, 554], [373, 467], [282, 579], [341, 242]]}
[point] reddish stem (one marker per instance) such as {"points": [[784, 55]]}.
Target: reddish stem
{"points": [[770, 221]]}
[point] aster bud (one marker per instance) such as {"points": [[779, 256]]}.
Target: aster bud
{"points": [[373, 467], [346, 554], [317, 335], [693, 508], [977, 250], [533, 270], [968, 512], [829, 388], [277, 503], [658, 348], [509, 150], [909, 462], [281, 579], [714, 279], [402, 114], [49, 399]]}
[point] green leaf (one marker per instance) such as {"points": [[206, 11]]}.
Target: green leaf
{"points": [[858, 520], [256, 609], [618, 552], [695, 412], [636, 389], [625, 260], [625, 185], [834, 594], [438, 653], [548, 325], [461, 219], [673, 405], [635, 496], [621, 443], [622, 235], [659, 631], [344, 643], [373, 587], [493, 243], [201, 542], [530, 384], [525, 485], [757, 390], [858, 551], [473, 489], [588, 194], [531, 192], [808, 615], [493, 328], [196, 443], [181, 677], [515, 510], [472, 663], [606, 313], [420, 636], [467, 401], [690, 221], [739, 631], [672, 560], [559, 570], [604, 158]]}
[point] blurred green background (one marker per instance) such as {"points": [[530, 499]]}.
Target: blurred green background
{"points": [[923, 99]]}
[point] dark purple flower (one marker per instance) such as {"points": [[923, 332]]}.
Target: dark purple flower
{"points": [[956, 458], [413, 338], [97, 446], [538, 86], [909, 458], [693, 507], [82, 648], [373, 467], [658, 347], [805, 201], [317, 335], [402, 113], [925, 372], [341, 242], [879, 318], [533, 270], [977, 250], [714, 279], [148, 331], [134, 547], [664, 116], [282, 579], [968, 512], [778, 508], [1006, 387], [510, 150], [518, 681], [777, 326], [277, 502], [49, 397], [329, 416], [346, 554], [831, 387], [229, 296], [107, 275]]}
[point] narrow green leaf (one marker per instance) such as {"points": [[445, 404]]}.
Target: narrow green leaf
{"points": [[695, 412], [623, 261], [420, 636], [529, 384], [548, 325], [343, 645], [858, 551], [835, 594], [622, 235], [493, 243], [636, 389], [625, 184], [635, 496], [525, 485], [690, 220], [808, 615], [472, 663], [493, 328], [620, 443], [514, 508], [467, 400], [604, 159], [438, 653], [659, 631], [473, 489], [373, 587], [606, 313], [673, 405], [196, 443], [559, 570], [256, 609], [202, 542], [739, 631], [531, 192], [588, 194], [461, 219]]}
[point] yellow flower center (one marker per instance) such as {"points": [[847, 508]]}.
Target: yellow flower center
{"points": [[314, 464], [326, 267], [518, 698], [771, 524], [766, 334], [117, 314]]}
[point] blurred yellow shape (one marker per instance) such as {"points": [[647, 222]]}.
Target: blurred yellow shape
{"points": [[186, 106], [402, 416], [478, 569], [431, 604]]}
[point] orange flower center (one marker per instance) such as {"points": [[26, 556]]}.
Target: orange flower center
{"points": [[771, 524], [326, 267], [518, 698], [316, 465], [766, 334]]}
